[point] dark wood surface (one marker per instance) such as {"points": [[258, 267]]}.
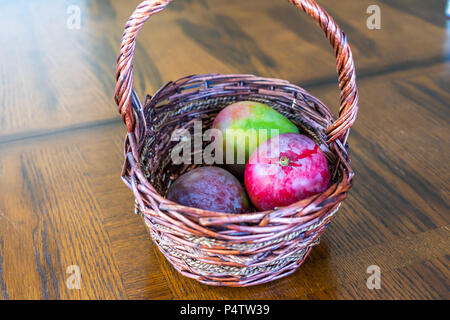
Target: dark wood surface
{"points": [[62, 201]]}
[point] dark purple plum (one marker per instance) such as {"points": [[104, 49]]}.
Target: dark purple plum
{"points": [[210, 188]]}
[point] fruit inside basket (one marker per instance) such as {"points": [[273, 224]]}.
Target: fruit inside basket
{"points": [[225, 248]]}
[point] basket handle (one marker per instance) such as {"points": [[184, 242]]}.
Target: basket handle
{"points": [[344, 61]]}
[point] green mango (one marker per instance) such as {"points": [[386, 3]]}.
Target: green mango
{"points": [[244, 126]]}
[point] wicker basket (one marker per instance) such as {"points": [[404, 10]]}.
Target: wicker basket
{"points": [[212, 247]]}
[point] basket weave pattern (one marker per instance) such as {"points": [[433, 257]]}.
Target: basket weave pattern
{"points": [[218, 248]]}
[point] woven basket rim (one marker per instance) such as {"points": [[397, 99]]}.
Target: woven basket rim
{"points": [[151, 102]]}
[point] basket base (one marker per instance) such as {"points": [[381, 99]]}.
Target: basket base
{"points": [[244, 275]]}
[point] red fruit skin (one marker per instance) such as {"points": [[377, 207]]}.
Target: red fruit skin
{"points": [[210, 188], [269, 184]]}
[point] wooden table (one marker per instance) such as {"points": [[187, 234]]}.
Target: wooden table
{"points": [[62, 202]]}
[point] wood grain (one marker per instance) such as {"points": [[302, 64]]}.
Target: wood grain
{"points": [[54, 74], [62, 202]]}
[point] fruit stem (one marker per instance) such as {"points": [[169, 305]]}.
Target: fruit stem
{"points": [[284, 161]]}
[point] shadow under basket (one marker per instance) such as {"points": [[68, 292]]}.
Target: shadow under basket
{"points": [[217, 248]]}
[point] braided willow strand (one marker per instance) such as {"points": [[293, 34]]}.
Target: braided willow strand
{"points": [[344, 60], [345, 68], [124, 72]]}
